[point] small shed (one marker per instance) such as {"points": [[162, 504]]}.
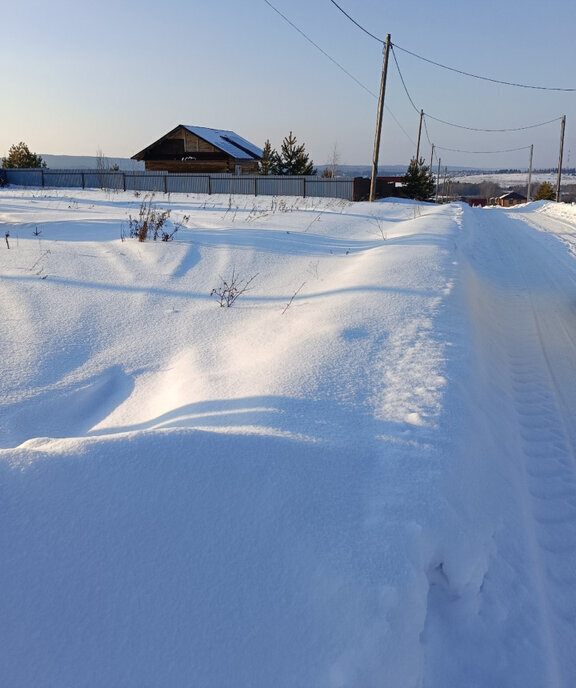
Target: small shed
{"points": [[511, 198], [202, 150]]}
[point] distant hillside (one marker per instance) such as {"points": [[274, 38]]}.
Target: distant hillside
{"points": [[384, 170], [366, 170], [87, 162]]}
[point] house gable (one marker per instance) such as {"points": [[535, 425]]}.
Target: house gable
{"points": [[199, 149]]}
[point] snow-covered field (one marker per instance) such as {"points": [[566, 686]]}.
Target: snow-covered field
{"points": [[361, 474], [505, 179]]}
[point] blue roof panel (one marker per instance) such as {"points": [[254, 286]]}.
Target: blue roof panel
{"points": [[228, 141]]}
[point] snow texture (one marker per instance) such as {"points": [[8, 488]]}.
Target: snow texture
{"points": [[362, 474]]}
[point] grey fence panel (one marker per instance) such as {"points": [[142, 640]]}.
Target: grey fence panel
{"points": [[146, 182], [162, 182], [220, 185], [24, 177], [281, 186], [103, 180], [188, 183], [63, 180], [243, 185], [330, 188]]}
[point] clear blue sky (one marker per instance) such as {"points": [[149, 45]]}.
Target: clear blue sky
{"points": [[80, 76]]}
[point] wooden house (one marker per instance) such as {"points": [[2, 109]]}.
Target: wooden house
{"points": [[201, 150], [509, 199]]}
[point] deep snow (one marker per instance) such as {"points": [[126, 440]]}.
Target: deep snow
{"points": [[361, 474]]}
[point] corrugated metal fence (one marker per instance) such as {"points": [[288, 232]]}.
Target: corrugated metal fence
{"points": [[183, 183]]}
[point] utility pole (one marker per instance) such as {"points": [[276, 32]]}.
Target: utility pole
{"points": [[438, 179], [432, 158], [379, 120], [562, 129], [419, 135], [530, 173]]}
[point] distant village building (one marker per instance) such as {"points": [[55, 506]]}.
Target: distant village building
{"points": [[203, 150], [474, 201], [511, 198]]}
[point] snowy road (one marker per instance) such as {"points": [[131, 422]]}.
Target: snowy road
{"points": [[520, 293]]}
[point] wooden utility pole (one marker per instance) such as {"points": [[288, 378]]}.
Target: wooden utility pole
{"points": [[562, 129], [419, 135], [379, 120], [530, 173], [438, 179], [432, 159]]}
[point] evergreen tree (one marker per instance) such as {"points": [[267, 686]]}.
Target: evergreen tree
{"points": [[545, 192], [270, 162], [419, 181], [293, 159], [20, 156]]}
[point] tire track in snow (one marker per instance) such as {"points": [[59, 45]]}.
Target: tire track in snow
{"points": [[535, 342]]}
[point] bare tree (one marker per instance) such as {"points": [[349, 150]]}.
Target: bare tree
{"points": [[331, 170]]}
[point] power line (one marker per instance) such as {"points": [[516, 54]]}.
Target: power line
{"points": [[321, 50], [457, 150], [389, 111], [484, 78], [357, 81], [426, 130], [357, 24], [452, 69], [461, 126], [403, 82]]}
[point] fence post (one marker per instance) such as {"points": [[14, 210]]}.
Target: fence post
{"points": [[42, 176], [209, 185], [255, 186], [304, 187], [83, 180], [165, 183], [123, 181]]}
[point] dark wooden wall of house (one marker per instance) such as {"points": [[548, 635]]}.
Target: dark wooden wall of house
{"points": [[203, 166]]}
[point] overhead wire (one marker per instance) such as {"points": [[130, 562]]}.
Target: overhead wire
{"points": [[462, 126], [426, 132], [403, 82], [452, 69], [320, 49], [357, 81], [357, 24], [457, 150], [484, 78]]}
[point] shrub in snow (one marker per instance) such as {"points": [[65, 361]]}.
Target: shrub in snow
{"points": [[151, 222], [231, 289]]}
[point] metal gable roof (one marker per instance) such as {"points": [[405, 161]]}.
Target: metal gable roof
{"points": [[227, 141]]}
